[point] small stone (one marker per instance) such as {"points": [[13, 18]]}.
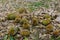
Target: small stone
{"points": [[57, 19]]}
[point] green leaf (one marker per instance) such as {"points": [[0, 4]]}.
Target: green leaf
{"points": [[12, 38], [58, 38], [25, 38], [52, 38], [5, 38]]}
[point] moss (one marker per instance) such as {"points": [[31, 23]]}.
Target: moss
{"points": [[11, 16], [46, 22], [25, 33]]}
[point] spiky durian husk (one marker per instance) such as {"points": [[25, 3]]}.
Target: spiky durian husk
{"points": [[25, 33], [26, 25], [34, 21]]}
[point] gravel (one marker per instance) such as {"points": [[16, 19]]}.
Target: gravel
{"points": [[8, 6]]}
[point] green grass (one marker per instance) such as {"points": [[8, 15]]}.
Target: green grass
{"points": [[36, 5]]}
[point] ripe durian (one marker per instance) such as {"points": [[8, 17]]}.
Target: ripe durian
{"points": [[34, 21], [26, 25], [12, 31], [21, 10], [11, 16], [46, 22], [25, 33], [47, 16], [49, 27], [56, 32], [17, 19], [23, 20]]}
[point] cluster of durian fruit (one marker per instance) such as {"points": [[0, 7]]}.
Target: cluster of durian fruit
{"points": [[26, 24]]}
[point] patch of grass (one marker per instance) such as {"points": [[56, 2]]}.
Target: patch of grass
{"points": [[35, 5]]}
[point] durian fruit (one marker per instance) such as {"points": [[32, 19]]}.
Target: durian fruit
{"points": [[56, 33], [12, 31], [46, 21], [47, 16], [17, 19], [34, 21], [24, 20], [21, 10], [49, 27], [26, 25], [25, 33], [11, 16]]}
